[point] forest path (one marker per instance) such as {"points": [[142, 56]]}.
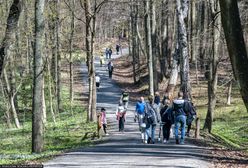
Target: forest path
{"points": [[125, 149]]}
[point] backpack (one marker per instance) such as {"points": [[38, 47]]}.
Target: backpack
{"points": [[150, 114], [179, 108], [168, 116]]}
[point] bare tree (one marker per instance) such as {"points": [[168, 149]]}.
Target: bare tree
{"points": [[213, 63], [182, 13], [37, 109]]}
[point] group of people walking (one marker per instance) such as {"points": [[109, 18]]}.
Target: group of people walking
{"points": [[153, 112], [179, 112]]}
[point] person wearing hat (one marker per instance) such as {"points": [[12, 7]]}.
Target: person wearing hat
{"points": [[104, 120]]}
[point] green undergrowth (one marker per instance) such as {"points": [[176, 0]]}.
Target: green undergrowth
{"points": [[230, 125], [68, 132]]}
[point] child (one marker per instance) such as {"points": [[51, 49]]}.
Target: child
{"points": [[104, 120]]}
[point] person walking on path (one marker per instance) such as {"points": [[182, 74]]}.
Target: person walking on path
{"points": [[120, 116], [107, 53], [104, 120], [110, 53], [151, 118], [140, 110], [102, 62], [117, 49], [167, 118], [110, 69], [124, 98], [97, 81], [180, 117]]}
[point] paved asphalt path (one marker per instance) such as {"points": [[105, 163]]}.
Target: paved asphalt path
{"points": [[122, 150]]}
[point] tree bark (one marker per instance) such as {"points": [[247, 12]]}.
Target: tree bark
{"points": [[182, 12], [229, 93], [236, 45], [12, 22], [154, 43], [37, 123], [71, 50], [165, 39], [149, 46], [213, 64]]}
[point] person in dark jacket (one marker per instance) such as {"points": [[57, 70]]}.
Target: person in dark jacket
{"points": [[180, 117], [167, 118]]}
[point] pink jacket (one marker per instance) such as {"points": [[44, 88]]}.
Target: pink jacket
{"points": [[103, 117]]}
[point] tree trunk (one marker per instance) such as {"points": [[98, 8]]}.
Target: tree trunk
{"points": [[229, 93], [59, 84], [213, 64], [37, 124], [236, 45], [165, 39], [154, 43], [12, 22], [174, 72], [202, 23], [182, 12], [192, 31], [71, 50], [134, 36], [149, 46], [11, 99], [6, 113]]}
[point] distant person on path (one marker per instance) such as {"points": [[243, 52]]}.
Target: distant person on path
{"points": [[151, 118], [125, 98], [110, 69], [180, 117], [120, 116], [117, 49], [167, 118], [140, 110], [97, 81], [104, 120], [102, 62], [110, 53], [107, 53]]}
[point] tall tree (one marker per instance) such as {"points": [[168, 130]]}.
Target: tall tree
{"points": [[213, 63], [71, 50], [236, 45], [12, 22], [164, 38], [37, 109], [149, 45], [154, 41], [182, 13]]}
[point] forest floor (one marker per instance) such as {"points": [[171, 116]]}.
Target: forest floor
{"points": [[229, 141]]}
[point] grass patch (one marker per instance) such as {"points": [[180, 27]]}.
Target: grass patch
{"points": [[230, 122], [67, 133]]}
